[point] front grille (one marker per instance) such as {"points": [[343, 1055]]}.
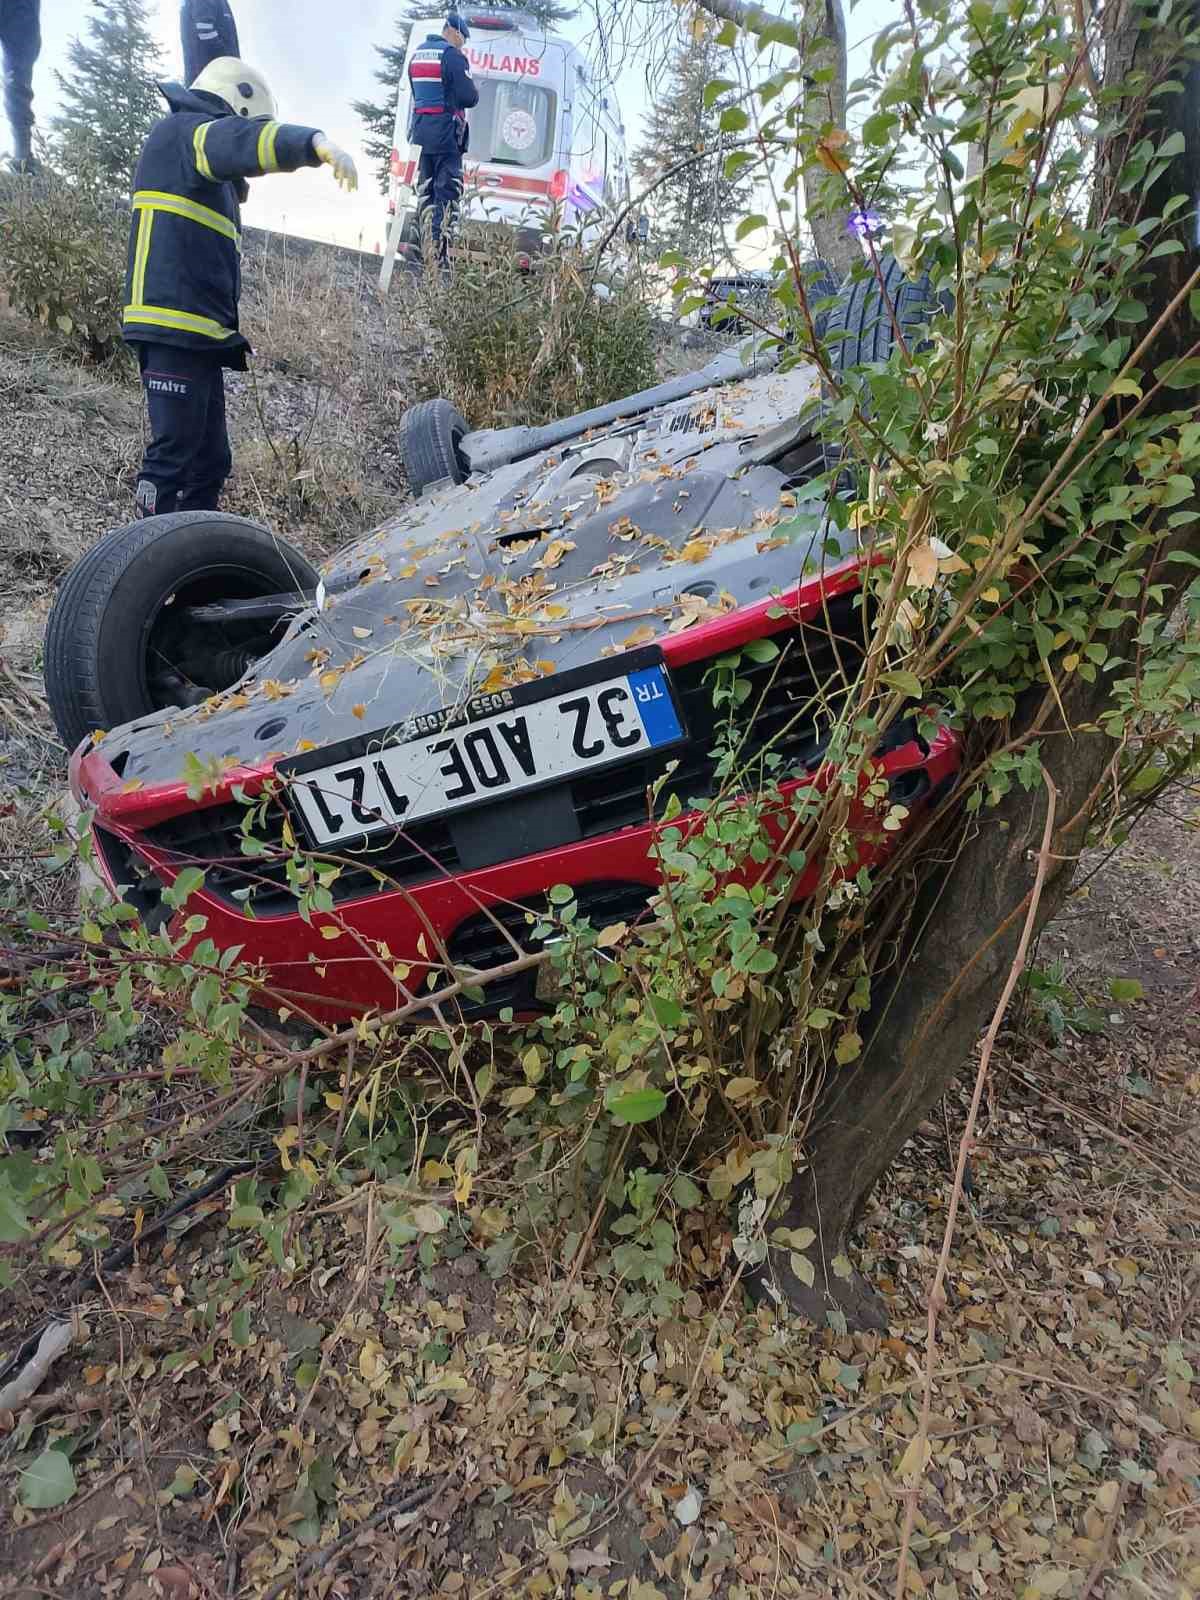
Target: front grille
{"points": [[214, 835], [479, 944], [792, 701]]}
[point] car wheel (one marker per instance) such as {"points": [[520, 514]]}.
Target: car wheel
{"points": [[819, 284], [121, 641], [864, 314], [429, 445], [867, 314]]}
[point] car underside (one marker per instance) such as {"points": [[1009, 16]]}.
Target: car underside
{"points": [[497, 692]]}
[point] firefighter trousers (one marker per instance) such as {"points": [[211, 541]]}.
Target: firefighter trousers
{"points": [[439, 189], [21, 43], [188, 458]]}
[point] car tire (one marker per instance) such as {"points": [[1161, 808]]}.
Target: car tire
{"points": [[109, 655], [866, 314], [819, 284], [429, 445], [862, 314]]}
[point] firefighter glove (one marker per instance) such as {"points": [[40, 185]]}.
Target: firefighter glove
{"points": [[334, 157]]}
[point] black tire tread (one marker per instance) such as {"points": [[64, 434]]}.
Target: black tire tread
{"points": [[427, 444], [77, 615], [862, 312]]}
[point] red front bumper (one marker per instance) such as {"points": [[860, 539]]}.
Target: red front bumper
{"points": [[350, 968]]}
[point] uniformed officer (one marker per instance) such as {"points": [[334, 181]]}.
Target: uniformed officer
{"points": [[21, 44], [207, 30], [442, 94], [183, 277]]}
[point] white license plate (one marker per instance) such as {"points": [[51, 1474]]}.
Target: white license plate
{"points": [[381, 785]]}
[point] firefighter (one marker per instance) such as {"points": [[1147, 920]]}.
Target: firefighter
{"points": [[207, 30], [21, 44], [183, 275], [442, 94]]}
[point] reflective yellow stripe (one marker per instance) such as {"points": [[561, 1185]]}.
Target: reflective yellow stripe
{"points": [[151, 200], [267, 159], [185, 321], [141, 252], [199, 138]]}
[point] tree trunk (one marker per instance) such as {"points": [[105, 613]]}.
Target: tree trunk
{"points": [[823, 44], [967, 924]]}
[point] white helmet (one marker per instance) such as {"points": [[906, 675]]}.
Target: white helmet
{"points": [[241, 87]]}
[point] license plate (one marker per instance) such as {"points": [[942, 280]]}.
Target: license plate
{"points": [[389, 779]]}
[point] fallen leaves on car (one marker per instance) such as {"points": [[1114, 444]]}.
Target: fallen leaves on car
{"points": [[555, 551]]}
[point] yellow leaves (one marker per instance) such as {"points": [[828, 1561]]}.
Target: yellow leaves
{"points": [[518, 1097], [361, 633], [608, 938], [132, 786], [922, 565], [555, 551], [372, 1364], [829, 151], [358, 710], [219, 1436], [643, 635], [916, 1458], [330, 680], [304, 744], [992, 596], [740, 1088], [272, 689], [696, 550]]}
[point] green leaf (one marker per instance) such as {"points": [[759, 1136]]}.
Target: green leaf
{"points": [[749, 225], [49, 1482], [1125, 989], [1183, 375], [733, 120], [637, 1105], [906, 682], [714, 90], [240, 1330], [668, 1013], [761, 650], [685, 1193]]}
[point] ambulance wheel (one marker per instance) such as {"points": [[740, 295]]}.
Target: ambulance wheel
{"points": [[122, 641], [430, 438]]}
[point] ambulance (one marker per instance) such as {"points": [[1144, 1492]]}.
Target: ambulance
{"points": [[547, 148]]}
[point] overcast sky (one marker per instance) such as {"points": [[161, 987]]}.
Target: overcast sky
{"points": [[318, 58]]}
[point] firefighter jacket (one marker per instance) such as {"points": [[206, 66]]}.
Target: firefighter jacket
{"points": [[442, 93], [183, 275]]}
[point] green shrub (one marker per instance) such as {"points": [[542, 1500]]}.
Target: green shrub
{"points": [[512, 347], [62, 258]]}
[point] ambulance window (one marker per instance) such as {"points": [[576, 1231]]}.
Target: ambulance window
{"points": [[513, 124]]}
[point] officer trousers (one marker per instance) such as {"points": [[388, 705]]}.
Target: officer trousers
{"points": [[188, 458], [439, 189], [21, 43]]}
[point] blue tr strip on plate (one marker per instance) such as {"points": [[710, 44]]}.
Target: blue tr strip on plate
{"points": [[653, 700]]}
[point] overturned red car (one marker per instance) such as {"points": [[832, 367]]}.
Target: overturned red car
{"points": [[477, 701]]}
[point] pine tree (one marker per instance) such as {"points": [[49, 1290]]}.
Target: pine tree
{"points": [[691, 209], [110, 101], [379, 115]]}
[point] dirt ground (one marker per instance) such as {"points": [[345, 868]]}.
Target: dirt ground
{"points": [[361, 1426]]}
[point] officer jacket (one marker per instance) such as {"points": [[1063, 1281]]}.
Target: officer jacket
{"points": [[183, 275], [442, 92]]}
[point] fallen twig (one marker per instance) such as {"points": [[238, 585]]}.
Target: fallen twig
{"points": [[321, 1558], [56, 1338], [937, 1294]]}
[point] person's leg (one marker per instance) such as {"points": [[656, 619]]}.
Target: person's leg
{"points": [[21, 42], [213, 459], [448, 187], [428, 221], [176, 384]]}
